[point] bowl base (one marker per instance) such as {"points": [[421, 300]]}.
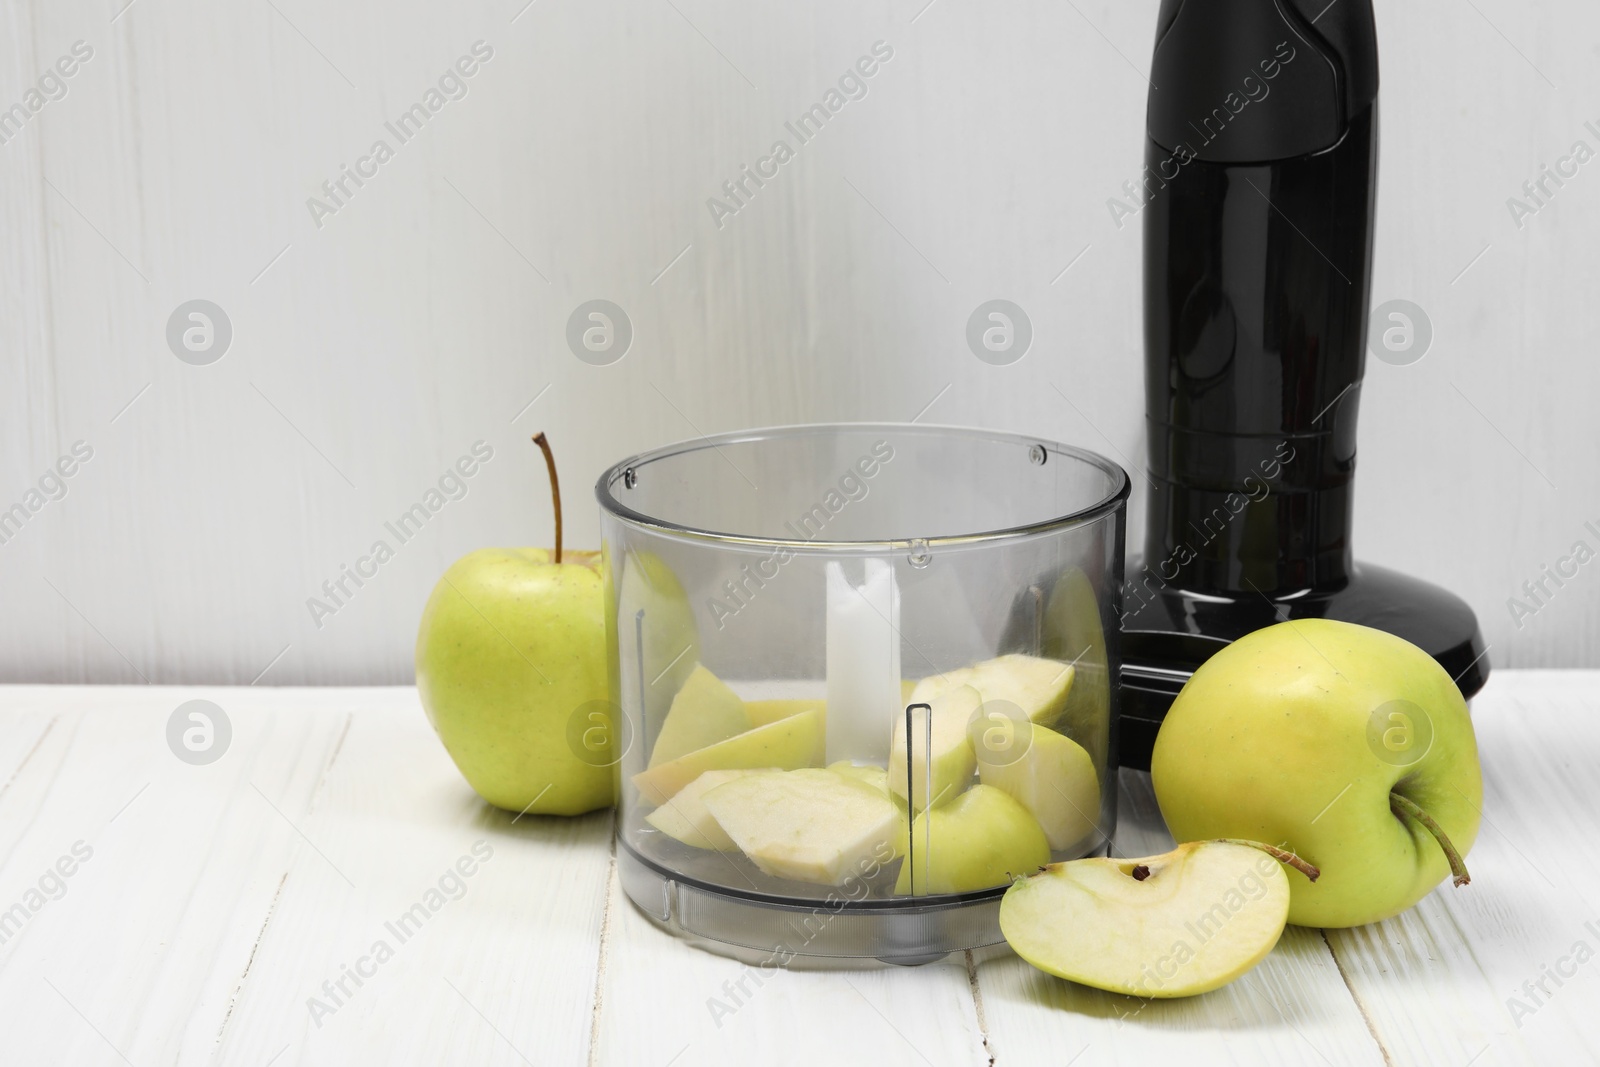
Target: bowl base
{"points": [[769, 934]]}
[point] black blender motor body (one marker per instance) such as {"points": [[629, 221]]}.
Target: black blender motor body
{"points": [[1258, 217]]}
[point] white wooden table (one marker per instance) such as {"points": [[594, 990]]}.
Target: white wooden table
{"points": [[216, 901]]}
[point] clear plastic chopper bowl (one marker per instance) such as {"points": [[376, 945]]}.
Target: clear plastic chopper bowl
{"points": [[862, 677]]}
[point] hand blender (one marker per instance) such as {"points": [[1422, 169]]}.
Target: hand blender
{"points": [[1258, 212]]}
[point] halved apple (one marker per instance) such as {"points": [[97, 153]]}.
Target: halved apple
{"points": [[1172, 925], [684, 816], [953, 760], [786, 744], [703, 712], [982, 838], [1047, 773], [809, 825]]}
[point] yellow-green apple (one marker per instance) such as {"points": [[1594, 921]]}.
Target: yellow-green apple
{"points": [[1171, 925], [511, 652], [1345, 744]]}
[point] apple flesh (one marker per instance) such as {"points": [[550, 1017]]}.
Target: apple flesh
{"points": [[1039, 687], [1049, 774], [953, 760], [702, 713], [1172, 925], [685, 816], [870, 773], [787, 744], [982, 838], [808, 825], [762, 712], [1280, 737], [509, 648]]}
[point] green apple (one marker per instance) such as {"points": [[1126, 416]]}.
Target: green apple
{"points": [[704, 712], [510, 647], [1172, 925], [685, 816], [809, 825], [1047, 773], [1346, 744], [787, 744], [655, 634], [982, 838], [953, 760]]}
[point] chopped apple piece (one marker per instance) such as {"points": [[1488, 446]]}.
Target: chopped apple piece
{"points": [[786, 744], [953, 758], [870, 773], [1050, 775], [924, 691], [685, 816], [762, 712], [704, 712], [809, 825], [1038, 686], [878, 779], [1172, 925], [980, 839]]}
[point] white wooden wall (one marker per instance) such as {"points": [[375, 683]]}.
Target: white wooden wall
{"points": [[368, 354]]}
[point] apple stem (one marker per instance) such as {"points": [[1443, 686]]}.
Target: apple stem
{"points": [[1311, 872], [555, 485], [1402, 806]]}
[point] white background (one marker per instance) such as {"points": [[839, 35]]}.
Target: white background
{"points": [[369, 353]]}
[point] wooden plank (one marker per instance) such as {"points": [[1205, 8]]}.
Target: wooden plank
{"points": [[138, 946], [1293, 1008], [1457, 978], [499, 967], [215, 905]]}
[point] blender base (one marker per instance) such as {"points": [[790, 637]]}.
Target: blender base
{"points": [[768, 933], [1166, 637]]}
